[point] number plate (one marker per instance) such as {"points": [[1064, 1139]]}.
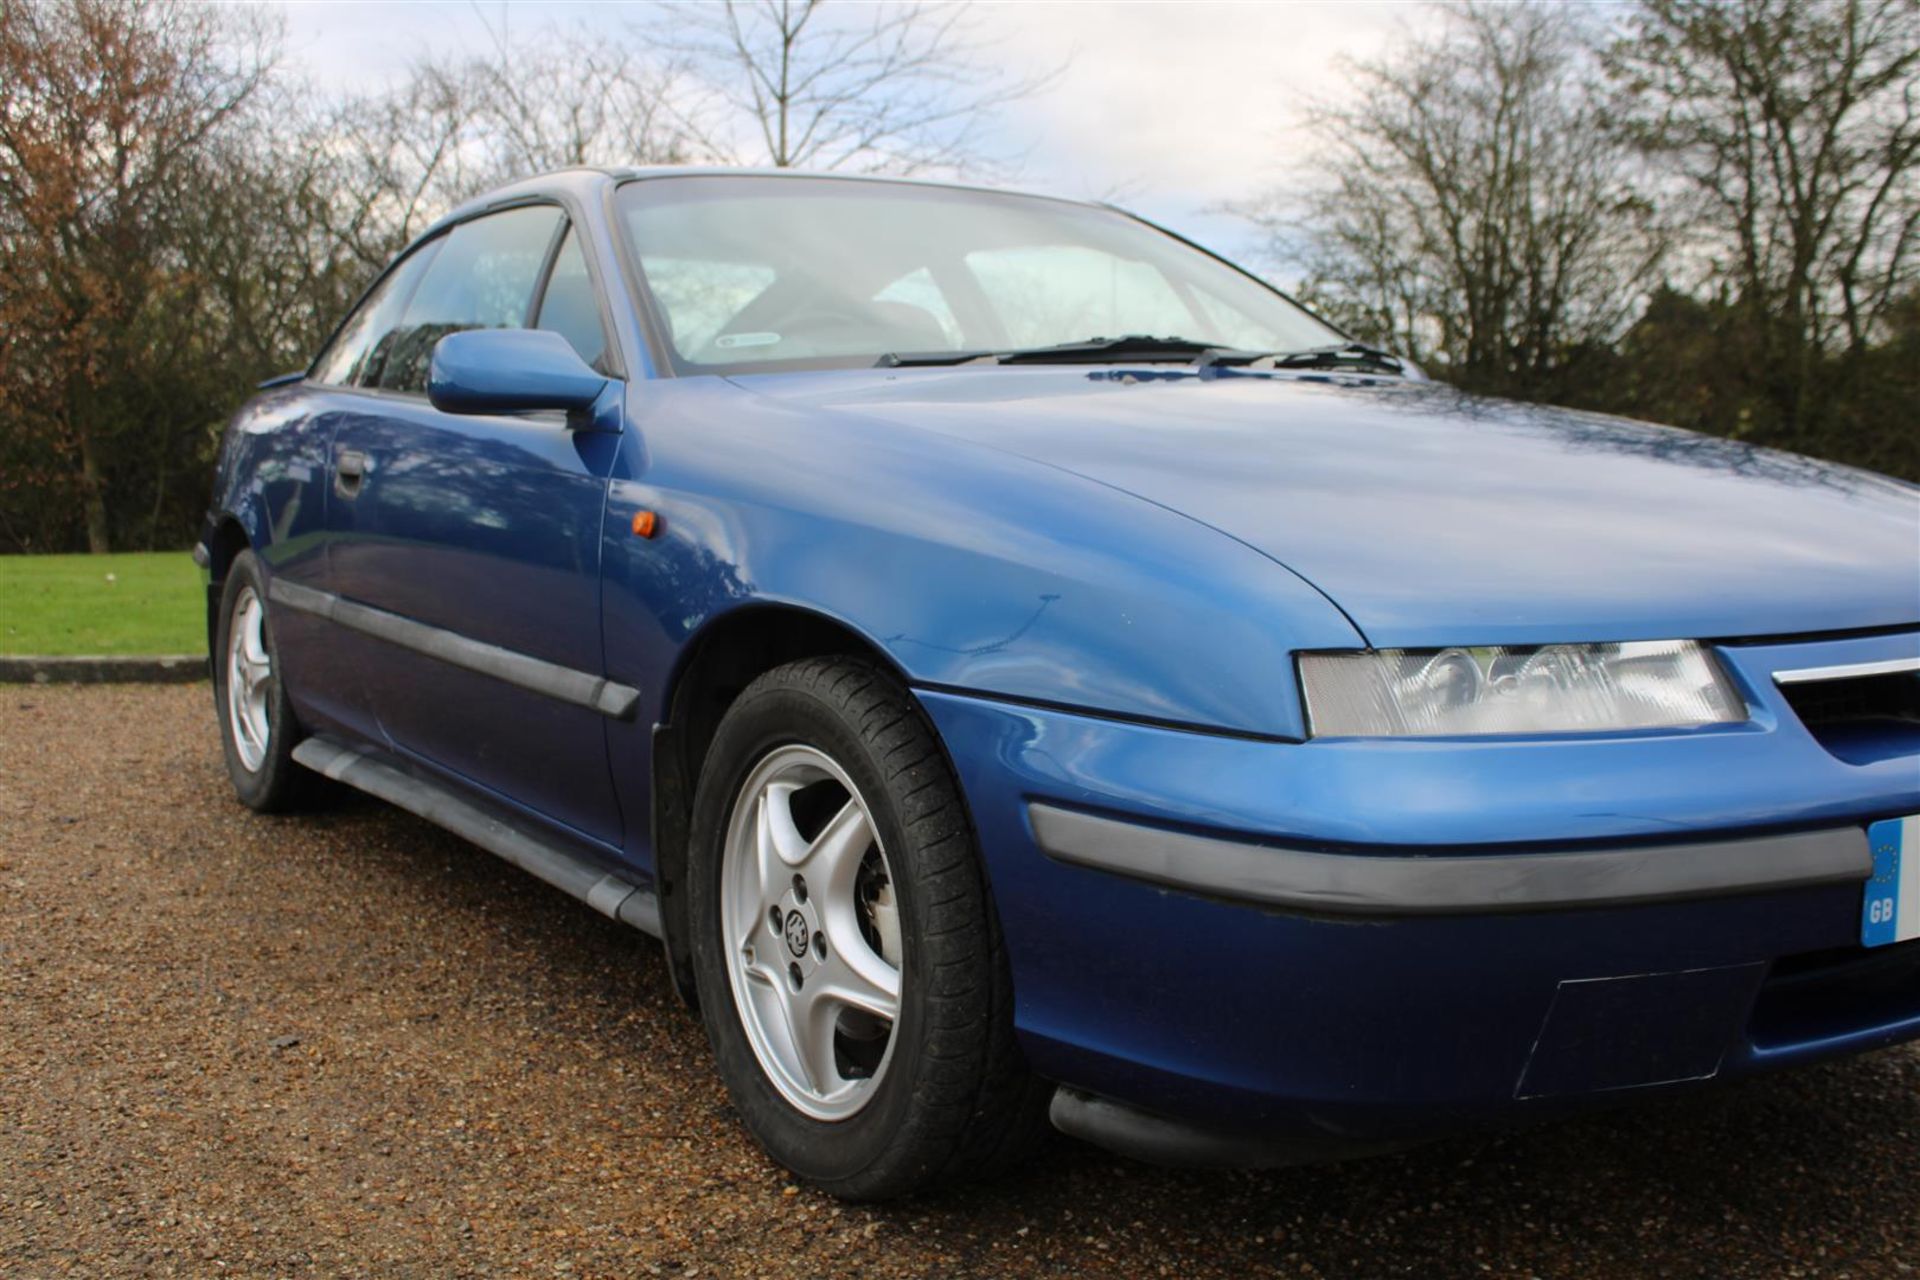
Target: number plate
{"points": [[1892, 912]]}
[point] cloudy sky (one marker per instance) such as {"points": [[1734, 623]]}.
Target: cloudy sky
{"points": [[1168, 107]]}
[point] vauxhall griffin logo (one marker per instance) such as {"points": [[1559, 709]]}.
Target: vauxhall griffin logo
{"points": [[797, 934]]}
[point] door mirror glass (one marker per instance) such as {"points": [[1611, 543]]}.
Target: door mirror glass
{"points": [[510, 371]]}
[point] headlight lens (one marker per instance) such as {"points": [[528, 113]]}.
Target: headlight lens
{"points": [[1559, 688]]}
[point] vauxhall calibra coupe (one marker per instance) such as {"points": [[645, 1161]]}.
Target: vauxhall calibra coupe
{"points": [[1022, 667]]}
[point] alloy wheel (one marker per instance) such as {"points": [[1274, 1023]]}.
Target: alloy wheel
{"points": [[812, 932], [249, 677]]}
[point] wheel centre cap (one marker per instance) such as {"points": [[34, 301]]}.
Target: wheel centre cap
{"points": [[798, 934]]}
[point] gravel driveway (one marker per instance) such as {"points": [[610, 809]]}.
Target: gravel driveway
{"points": [[348, 1044]]}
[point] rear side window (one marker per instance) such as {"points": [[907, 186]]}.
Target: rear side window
{"points": [[483, 279], [570, 307], [344, 362]]}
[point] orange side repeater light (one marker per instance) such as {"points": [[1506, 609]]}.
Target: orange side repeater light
{"points": [[645, 523]]}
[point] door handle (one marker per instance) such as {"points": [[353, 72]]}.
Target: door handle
{"points": [[350, 469]]}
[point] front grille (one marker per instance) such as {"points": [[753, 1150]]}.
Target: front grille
{"points": [[1833, 993], [1822, 703], [1860, 716]]}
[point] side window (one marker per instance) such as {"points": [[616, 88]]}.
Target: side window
{"points": [[570, 307], [483, 279], [345, 360]]}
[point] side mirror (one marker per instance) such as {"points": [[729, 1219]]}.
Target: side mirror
{"points": [[510, 371]]}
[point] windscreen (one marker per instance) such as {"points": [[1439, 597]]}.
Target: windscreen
{"points": [[760, 273]]}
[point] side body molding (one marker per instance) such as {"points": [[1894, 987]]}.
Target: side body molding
{"points": [[581, 688]]}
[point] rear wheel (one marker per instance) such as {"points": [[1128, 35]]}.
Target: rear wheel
{"points": [[846, 949], [258, 729]]}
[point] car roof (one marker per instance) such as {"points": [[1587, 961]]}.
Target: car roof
{"points": [[585, 180]]}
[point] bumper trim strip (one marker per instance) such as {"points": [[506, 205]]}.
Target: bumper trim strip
{"points": [[1397, 885]]}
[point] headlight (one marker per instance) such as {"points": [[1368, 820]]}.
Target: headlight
{"points": [[1557, 688]]}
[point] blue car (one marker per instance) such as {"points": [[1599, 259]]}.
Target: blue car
{"points": [[1026, 671]]}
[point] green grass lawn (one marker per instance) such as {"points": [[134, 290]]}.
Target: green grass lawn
{"points": [[144, 603]]}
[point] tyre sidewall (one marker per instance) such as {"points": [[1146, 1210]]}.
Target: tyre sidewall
{"points": [[833, 1153], [270, 787]]}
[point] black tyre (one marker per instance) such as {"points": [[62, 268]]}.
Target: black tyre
{"points": [[257, 725], [846, 950]]}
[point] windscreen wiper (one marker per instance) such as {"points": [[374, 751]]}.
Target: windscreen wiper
{"points": [[1133, 346], [1140, 346], [918, 359], [1338, 356]]}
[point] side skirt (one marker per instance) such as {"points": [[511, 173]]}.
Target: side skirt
{"points": [[528, 849]]}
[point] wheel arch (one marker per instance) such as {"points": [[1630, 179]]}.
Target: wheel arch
{"points": [[715, 666], [228, 539]]}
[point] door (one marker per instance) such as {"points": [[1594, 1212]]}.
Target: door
{"points": [[331, 660], [481, 529]]}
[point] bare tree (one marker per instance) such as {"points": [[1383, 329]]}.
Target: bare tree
{"points": [[178, 219], [575, 99], [398, 159], [107, 110], [457, 127], [1465, 206], [1794, 132], [345, 187], [902, 87]]}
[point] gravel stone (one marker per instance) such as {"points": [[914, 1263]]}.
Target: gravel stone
{"points": [[346, 1044]]}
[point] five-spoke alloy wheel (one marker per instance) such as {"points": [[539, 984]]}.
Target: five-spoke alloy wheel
{"points": [[249, 679], [257, 724], [844, 943], [813, 932]]}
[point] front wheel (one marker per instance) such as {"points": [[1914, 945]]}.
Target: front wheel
{"points": [[847, 954]]}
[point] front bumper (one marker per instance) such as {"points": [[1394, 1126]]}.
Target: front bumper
{"points": [[1494, 930]]}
